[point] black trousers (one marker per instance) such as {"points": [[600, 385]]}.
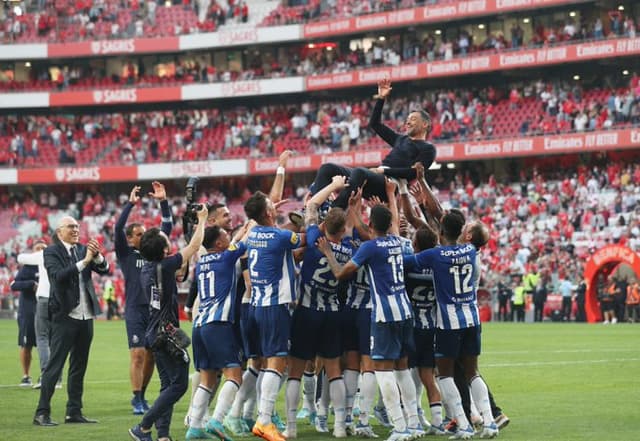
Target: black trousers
{"points": [[68, 337], [174, 381], [357, 176], [518, 310], [566, 308], [538, 312]]}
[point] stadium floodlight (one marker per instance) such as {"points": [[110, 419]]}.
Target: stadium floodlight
{"points": [[526, 20], [451, 166], [573, 14], [481, 26], [576, 77], [27, 64], [621, 8], [382, 38], [438, 32], [435, 166], [625, 72]]}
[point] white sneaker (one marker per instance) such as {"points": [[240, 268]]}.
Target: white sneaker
{"points": [[321, 424], [416, 431], [463, 433], [365, 431], [399, 436], [291, 431], [490, 431], [606, 322], [614, 321], [340, 431]]}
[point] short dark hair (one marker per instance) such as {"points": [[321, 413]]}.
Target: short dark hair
{"points": [[335, 220], [256, 206], [152, 245], [423, 114], [452, 223], [214, 207], [380, 218], [129, 230], [211, 234], [425, 238]]}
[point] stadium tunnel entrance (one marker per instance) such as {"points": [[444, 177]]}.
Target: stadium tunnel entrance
{"points": [[605, 261]]}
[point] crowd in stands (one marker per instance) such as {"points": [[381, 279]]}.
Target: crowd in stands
{"points": [[71, 20], [526, 108], [549, 219], [396, 49]]}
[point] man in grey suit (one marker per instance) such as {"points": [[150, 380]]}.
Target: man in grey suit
{"points": [[72, 307]]}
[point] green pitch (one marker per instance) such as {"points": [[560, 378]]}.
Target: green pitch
{"points": [[555, 381]]}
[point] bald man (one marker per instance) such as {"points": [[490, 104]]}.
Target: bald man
{"points": [[72, 307]]}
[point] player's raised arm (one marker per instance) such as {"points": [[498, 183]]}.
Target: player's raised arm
{"points": [[375, 121], [390, 188], [198, 235], [278, 184], [160, 194], [311, 211], [120, 239]]}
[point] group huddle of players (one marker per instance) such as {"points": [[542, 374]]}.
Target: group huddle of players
{"points": [[361, 306]]}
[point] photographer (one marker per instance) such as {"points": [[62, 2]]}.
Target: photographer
{"points": [[157, 278]]}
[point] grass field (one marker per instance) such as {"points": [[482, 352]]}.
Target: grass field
{"points": [[555, 381]]}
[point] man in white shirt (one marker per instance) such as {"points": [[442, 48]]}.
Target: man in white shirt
{"points": [[42, 309]]}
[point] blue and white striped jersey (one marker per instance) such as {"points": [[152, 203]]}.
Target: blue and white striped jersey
{"points": [[359, 291], [382, 258], [217, 278], [454, 270], [422, 294], [271, 266], [319, 287]]}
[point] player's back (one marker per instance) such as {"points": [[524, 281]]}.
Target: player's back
{"points": [[217, 278], [454, 270], [382, 257], [271, 266], [319, 287]]}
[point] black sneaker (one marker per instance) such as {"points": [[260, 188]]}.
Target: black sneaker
{"points": [[26, 381]]}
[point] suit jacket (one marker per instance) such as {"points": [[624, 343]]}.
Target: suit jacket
{"points": [[63, 277]]}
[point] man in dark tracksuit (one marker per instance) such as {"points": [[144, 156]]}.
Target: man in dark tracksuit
{"points": [[26, 282], [406, 150], [127, 245]]}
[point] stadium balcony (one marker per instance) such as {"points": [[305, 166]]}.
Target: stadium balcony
{"points": [[112, 139]]}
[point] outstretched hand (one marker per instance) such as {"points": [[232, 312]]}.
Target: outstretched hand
{"points": [[159, 191], [134, 196], [284, 158], [384, 87]]}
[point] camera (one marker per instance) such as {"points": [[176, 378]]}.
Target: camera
{"points": [[190, 218]]}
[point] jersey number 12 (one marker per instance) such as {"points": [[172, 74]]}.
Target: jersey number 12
{"points": [[464, 272]]}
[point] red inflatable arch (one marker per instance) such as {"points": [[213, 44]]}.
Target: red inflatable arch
{"points": [[603, 261]]}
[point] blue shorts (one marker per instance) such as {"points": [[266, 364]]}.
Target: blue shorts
{"points": [[27, 322], [424, 354], [274, 328], [136, 318], [454, 343], [356, 330], [391, 340], [316, 333], [215, 346]]}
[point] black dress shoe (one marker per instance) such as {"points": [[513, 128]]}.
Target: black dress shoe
{"points": [[43, 420], [79, 419]]}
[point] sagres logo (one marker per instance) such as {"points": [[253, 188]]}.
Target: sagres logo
{"points": [[97, 96]]}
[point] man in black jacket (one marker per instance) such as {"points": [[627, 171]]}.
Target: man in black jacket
{"points": [[406, 150], [26, 282], [72, 307]]}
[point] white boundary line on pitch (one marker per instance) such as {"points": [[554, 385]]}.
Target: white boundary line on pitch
{"points": [[559, 351], [554, 363]]}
